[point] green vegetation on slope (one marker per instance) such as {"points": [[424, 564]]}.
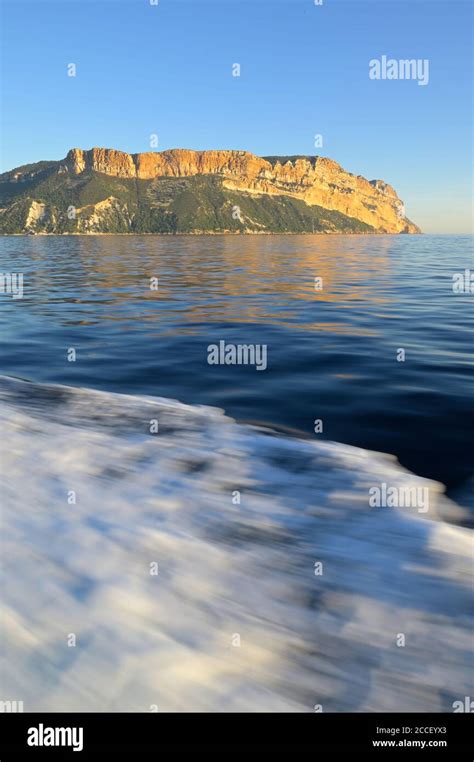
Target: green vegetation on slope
{"points": [[201, 203]]}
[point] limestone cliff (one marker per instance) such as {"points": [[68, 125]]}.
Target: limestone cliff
{"points": [[175, 191], [314, 180]]}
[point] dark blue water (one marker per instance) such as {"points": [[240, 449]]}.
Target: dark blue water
{"points": [[332, 354]]}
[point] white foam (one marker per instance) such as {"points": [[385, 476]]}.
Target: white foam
{"points": [[224, 569]]}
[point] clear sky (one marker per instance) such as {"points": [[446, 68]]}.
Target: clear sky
{"points": [[166, 69]]}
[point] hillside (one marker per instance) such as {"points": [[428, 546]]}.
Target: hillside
{"points": [[181, 191]]}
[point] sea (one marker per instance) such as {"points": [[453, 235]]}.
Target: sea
{"points": [[182, 534]]}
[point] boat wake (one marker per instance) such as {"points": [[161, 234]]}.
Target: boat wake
{"points": [[213, 566]]}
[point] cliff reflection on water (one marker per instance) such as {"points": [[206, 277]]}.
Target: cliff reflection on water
{"points": [[212, 278]]}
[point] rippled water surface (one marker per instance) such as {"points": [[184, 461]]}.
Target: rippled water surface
{"points": [[331, 353]]}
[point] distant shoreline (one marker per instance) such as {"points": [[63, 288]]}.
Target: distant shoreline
{"points": [[204, 233]]}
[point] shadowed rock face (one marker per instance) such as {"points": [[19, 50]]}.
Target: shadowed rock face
{"points": [[316, 181]]}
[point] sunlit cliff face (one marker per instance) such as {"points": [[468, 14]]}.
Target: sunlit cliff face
{"points": [[315, 180]]}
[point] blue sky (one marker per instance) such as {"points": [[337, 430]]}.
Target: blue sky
{"points": [[167, 70]]}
